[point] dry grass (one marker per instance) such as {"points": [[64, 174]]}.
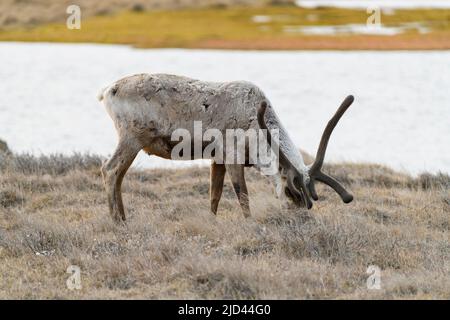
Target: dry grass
{"points": [[53, 214]]}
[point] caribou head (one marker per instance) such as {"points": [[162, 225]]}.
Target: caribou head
{"points": [[300, 186]]}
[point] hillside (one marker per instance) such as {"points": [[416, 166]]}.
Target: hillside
{"points": [[29, 13], [260, 27]]}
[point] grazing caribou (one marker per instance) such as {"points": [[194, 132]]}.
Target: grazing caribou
{"points": [[148, 108]]}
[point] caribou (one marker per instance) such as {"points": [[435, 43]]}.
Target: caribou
{"points": [[147, 108]]}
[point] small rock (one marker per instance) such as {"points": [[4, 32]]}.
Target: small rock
{"points": [[4, 147], [45, 253]]}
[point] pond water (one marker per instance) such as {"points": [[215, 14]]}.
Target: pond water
{"points": [[356, 29], [401, 116], [363, 4]]}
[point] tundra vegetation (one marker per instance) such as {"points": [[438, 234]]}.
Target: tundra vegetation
{"points": [[54, 213], [222, 27]]}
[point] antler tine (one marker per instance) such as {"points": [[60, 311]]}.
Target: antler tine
{"points": [[312, 189], [315, 169], [333, 183], [318, 162]]}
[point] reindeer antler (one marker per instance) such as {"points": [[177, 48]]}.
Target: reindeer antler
{"points": [[315, 169]]}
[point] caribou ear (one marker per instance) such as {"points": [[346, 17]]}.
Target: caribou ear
{"points": [[315, 172]]}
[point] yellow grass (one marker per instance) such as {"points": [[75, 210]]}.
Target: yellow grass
{"points": [[53, 213], [233, 28]]}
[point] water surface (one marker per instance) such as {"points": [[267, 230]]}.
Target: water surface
{"points": [[401, 116], [363, 4]]}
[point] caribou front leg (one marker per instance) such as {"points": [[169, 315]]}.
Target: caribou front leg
{"points": [[216, 184], [113, 172], [236, 172]]}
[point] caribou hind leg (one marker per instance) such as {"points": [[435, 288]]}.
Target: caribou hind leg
{"points": [[236, 173], [216, 184], [113, 172]]}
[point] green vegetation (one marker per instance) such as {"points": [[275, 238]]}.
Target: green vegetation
{"points": [[235, 28]]}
